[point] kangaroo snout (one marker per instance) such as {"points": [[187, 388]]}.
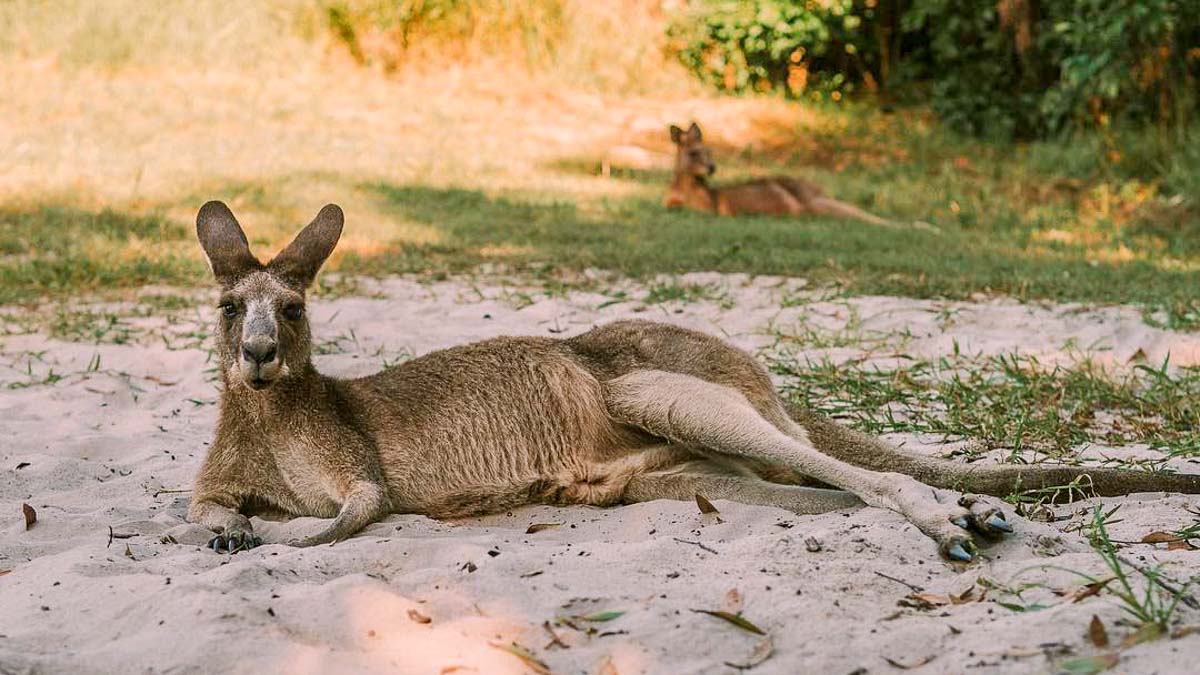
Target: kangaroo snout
{"points": [[259, 350]]}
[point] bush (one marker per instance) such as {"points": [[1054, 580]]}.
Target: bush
{"points": [[1000, 68]]}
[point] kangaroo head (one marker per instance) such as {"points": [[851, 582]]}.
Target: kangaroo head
{"points": [[263, 334], [692, 157]]}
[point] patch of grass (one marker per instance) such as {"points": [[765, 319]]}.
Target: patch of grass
{"points": [[1007, 401], [639, 238], [59, 251], [672, 291], [1153, 606]]}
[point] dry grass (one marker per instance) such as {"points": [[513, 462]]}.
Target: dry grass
{"points": [[484, 153]]}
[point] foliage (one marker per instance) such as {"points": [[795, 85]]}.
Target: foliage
{"points": [[766, 44], [997, 68]]}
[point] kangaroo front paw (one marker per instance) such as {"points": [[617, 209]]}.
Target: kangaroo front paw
{"points": [[234, 540]]}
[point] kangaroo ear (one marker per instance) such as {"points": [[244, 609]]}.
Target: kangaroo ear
{"points": [[224, 243], [299, 262], [676, 134], [694, 133]]}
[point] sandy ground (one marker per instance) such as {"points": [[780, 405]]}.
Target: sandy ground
{"points": [[113, 446]]}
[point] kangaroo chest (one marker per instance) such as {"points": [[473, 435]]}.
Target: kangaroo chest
{"points": [[313, 485]]}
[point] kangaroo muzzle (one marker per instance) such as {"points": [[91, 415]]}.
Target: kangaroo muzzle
{"points": [[260, 362]]}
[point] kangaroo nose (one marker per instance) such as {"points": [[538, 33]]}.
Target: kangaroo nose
{"points": [[259, 351]]}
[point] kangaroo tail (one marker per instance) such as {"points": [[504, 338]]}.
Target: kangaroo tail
{"points": [[999, 480], [833, 207]]}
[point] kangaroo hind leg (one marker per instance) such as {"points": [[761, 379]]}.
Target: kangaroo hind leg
{"points": [[701, 414]]}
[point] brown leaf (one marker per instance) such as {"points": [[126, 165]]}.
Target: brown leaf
{"points": [[1091, 589], [538, 527], [910, 666], [30, 515], [160, 381], [535, 664], [761, 652], [1180, 545], [735, 619], [964, 597], [1147, 633], [924, 600], [1159, 538], [705, 505], [607, 668], [3, 572], [733, 602], [418, 617], [1185, 631], [1096, 632]]}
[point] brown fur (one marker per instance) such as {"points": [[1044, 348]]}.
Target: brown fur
{"points": [[774, 196], [630, 411]]}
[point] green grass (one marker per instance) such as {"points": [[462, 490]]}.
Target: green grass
{"points": [[1008, 401]]}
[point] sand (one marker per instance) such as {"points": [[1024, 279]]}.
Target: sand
{"points": [[107, 438]]}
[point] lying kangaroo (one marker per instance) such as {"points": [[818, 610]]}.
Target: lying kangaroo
{"points": [[775, 196], [629, 412]]}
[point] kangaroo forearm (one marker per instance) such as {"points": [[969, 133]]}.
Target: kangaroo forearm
{"points": [[364, 503], [218, 512]]}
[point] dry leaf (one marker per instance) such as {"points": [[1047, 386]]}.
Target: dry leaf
{"points": [[733, 602], [910, 666], [1146, 633], [535, 664], [1180, 545], [418, 617], [735, 619], [1181, 632], [705, 505], [30, 515], [1091, 589], [607, 668], [1159, 538], [160, 382], [762, 651], [964, 597], [924, 600], [1096, 632], [3, 572], [538, 527]]}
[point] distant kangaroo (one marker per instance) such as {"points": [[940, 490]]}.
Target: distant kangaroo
{"points": [[774, 196], [628, 412]]}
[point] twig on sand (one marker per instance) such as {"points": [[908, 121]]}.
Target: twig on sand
{"points": [[696, 543], [913, 587]]}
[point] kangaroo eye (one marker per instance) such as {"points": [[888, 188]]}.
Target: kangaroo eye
{"points": [[230, 310], [293, 312]]}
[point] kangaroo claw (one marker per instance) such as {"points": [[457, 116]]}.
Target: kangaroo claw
{"points": [[998, 522], [959, 552]]}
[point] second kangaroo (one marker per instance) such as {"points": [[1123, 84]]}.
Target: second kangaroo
{"points": [[774, 196]]}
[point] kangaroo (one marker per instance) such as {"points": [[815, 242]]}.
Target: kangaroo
{"points": [[775, 196], [627, 412]]}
